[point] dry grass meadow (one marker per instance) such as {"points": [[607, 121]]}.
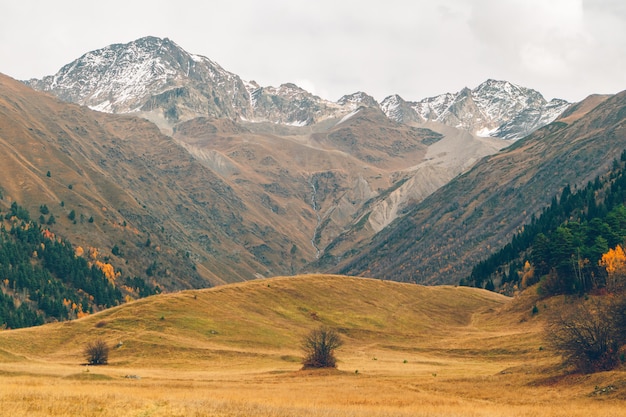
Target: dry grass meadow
{"points": [[234, 351]]}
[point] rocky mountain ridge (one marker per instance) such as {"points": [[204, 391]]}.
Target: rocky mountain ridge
{"points": [[494, 108], [160, 80]]}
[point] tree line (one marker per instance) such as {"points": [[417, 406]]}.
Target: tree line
{"points": [[42, 278], [563, 247]]}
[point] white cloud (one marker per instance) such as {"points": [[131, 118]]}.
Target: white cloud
{"points": [[542, 61], [416, 48]]}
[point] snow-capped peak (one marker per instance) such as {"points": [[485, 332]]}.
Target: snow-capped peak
{"points": [[122, 78], [157, 76], [356, 100]]}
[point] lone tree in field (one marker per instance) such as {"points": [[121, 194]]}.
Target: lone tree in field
{"points": [[97, 352], [319, 347]]}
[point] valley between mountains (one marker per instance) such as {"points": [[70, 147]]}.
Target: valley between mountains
{"points": [[234, 181], [172, 173], [201, 224]]}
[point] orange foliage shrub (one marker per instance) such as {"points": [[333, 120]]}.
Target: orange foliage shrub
{"points": [[93, 253], [48, 234]]}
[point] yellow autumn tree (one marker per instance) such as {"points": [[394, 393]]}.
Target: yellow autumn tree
{"points": [[107, 269], [527, 275], [80, 313], [614, 261]]}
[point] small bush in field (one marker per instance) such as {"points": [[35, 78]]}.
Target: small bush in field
{"points": [[319, 348], [97, 352]]}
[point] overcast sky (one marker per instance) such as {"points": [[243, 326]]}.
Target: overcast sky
{"points": [[415, 48]]}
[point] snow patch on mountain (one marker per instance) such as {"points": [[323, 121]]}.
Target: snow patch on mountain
{"points": [[348, 116], [485, 132], [433, 107], [494, 108], [356, 100]]}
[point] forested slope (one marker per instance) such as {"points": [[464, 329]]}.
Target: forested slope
{"points": [[569, 246], [45, 278]]}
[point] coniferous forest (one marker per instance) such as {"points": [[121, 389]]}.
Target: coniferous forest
{"points": [[43, 278], [570, 248]]}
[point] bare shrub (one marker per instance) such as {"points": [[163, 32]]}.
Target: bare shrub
{"points": [[97, 352], [589, 335], [319, 347]]}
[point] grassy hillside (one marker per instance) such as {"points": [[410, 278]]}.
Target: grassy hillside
{"points": [[233, 351], [266, 314]]}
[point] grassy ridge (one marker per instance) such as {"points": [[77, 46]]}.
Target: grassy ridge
{"points": [[233, 351], [269, 314]]}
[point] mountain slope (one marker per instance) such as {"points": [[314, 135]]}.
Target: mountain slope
{"points": [[166, 211], [473, 215], [585, 224], [321, 181], [231, 199]]}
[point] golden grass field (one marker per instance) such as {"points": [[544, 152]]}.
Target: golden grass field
{"points": [[234, 351]]}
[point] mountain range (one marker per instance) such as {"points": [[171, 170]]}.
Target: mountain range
{"points": [[157, 78], [233, 181]]}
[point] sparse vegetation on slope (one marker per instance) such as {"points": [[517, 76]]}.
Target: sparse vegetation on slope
{"points": [[116, 167]]}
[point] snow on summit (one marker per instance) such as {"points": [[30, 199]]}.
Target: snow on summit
{"points": [[152, 74]]}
